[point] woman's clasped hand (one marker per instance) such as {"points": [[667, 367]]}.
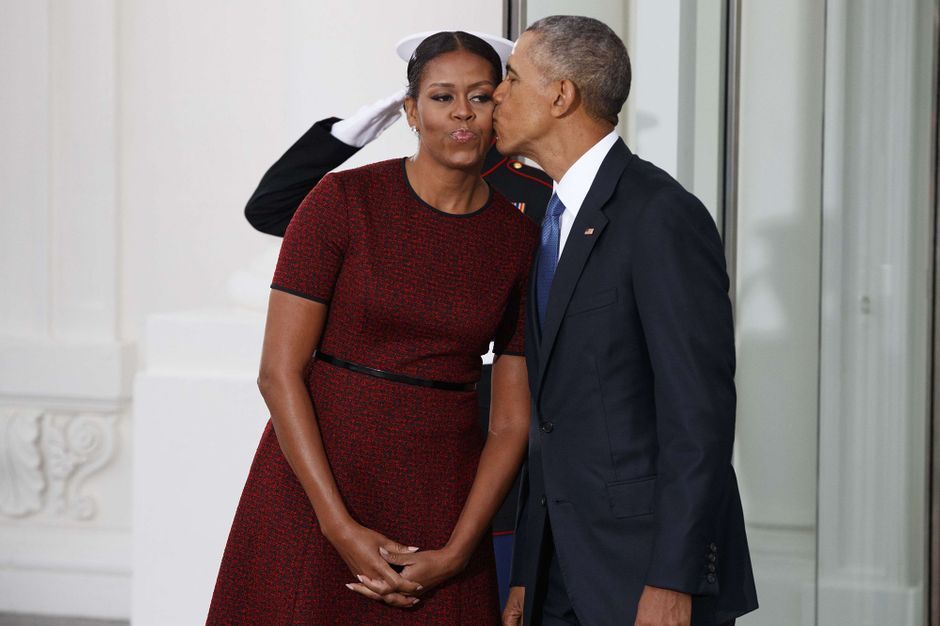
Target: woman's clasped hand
{"points": [[390, 572]]}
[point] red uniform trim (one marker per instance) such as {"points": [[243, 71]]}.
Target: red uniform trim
{"points": [[518, 173], [494, 168]]}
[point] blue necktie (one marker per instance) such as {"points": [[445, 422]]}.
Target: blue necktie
{"points": [[548, 254]]}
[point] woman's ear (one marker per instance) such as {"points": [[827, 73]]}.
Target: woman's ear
{"points": [[411, 111]]}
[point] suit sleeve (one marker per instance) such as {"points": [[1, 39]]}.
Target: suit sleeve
{"points": [[681, 288], [291, 178]]}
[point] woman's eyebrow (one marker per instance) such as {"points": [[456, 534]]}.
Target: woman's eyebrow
{"points": [[451, 85]]}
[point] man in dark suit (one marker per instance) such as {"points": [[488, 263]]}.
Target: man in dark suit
{"points": [[629, 508]]}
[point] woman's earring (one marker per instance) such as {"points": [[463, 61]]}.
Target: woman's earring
{"points": [[414, 129]]}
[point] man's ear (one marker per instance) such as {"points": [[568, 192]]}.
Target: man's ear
{"points": [[411, 111], [567, 98]]}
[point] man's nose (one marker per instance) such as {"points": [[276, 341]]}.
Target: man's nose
{"points": [[499, 93]]}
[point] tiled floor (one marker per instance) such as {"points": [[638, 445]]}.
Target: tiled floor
{"points": [[18, 619]]}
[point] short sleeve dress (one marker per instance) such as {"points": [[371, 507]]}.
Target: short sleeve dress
{"points": [[415, 291]]}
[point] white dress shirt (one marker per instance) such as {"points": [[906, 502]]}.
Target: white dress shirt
{"points": [[574, 185]]}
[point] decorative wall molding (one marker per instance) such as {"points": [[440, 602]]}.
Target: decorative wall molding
{"points": [[47, 456], [21, 480]]}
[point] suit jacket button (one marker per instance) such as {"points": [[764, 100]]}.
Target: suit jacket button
{"points": [[711, 568], [542, 500], [547, 427], [711, 579], [713, 548], [712, 557]]}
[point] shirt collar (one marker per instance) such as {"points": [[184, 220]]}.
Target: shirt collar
{"points": [[575, 184]]}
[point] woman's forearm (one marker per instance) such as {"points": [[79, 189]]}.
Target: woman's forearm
{"points": [[501, 457], [298, 434], [499, 465], [292, 332]]}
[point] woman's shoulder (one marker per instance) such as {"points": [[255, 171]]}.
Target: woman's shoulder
{"points": [[369, 175]]}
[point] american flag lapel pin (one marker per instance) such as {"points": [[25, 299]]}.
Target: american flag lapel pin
{"points": [[588, 232]]}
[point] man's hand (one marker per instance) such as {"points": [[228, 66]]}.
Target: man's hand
{"points": [[662, 607], [369, 121], [512, 614]]}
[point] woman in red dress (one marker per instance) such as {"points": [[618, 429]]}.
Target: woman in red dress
{"points": [[372, 489]]}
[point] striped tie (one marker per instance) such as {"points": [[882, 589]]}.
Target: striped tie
{"points": [[548, 254]]}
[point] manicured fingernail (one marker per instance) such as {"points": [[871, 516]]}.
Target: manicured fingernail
{"points": [[420, 587], [383, 552], [415, 601], [360, 578], [413, 549], [350, 586]]}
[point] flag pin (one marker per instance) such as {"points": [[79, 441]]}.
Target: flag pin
{"points": [[588, 231]]}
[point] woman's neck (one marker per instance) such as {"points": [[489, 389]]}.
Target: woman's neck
{"points": [[446, 188]]}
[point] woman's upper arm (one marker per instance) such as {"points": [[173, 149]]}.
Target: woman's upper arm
{"points": [[511, 403], [292, 332], [308, 268]]}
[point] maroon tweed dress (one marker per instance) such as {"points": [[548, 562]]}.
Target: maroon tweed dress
{"points": [[415, 291]]}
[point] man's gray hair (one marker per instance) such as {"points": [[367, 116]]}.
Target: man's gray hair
{"points": [[589, 54]]}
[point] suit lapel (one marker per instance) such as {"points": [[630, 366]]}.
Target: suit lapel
{"points": [[578, 248]]}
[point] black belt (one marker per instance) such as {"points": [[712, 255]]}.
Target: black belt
{"points": [[398, 378]]}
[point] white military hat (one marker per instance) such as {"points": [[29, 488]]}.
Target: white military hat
{"points": [[407, 46]]}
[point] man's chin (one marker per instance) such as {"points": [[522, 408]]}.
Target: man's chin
{"points": [[504, 145]]}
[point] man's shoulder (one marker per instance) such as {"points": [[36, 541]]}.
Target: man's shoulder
{"points": [[643, 183], [655, 199]]}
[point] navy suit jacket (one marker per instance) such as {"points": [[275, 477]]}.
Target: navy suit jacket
{"points": [[633, 408]]}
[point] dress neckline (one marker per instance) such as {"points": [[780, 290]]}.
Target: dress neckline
{"points": [[486, 204]]}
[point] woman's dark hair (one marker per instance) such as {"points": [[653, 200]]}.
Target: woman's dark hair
{"points": [[450, 41]]}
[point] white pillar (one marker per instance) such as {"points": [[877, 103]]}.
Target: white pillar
{"points": [[64, 371], [24, 168], [198, 419], [875, 313]]}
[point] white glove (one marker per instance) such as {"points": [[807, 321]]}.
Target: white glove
{"points": [[369, 121]]}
